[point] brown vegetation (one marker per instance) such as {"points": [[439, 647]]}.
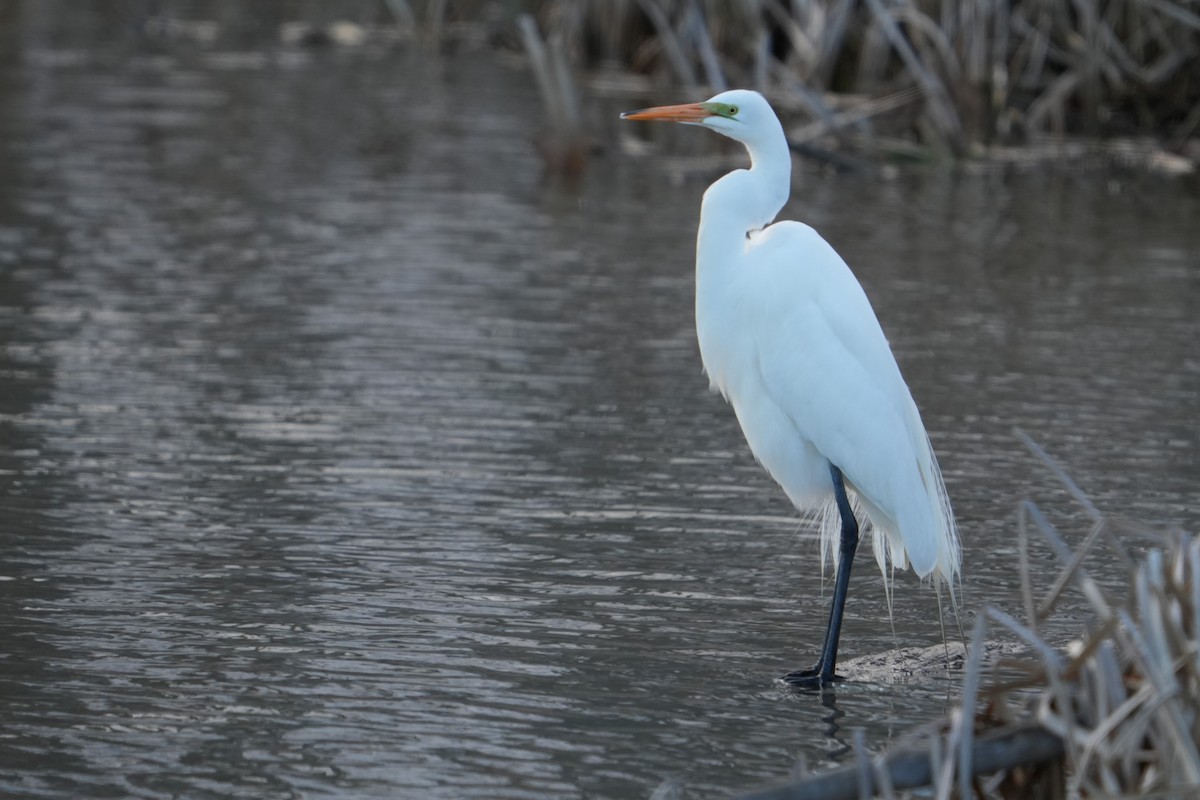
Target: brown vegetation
{"points": [[1113, 714], [952, 72], [915, 77]]}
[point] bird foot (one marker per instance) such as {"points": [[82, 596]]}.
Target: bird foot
{"points": [[813, 678]]}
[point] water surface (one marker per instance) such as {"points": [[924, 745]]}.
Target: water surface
{"points": [[344, 456]]}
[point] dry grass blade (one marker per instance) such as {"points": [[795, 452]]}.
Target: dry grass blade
{"points": [[1117, 716], [917, 21], [671, 45], [997, 72], [403, 14], [862, 763], [435, 16], [883, 779], [837, 27], [970, 692], [668, 790], [1175, 12], [945, 117], [1090, 588], [1059, 473], [762, 61], [862, 111], [805, 50], [1031, 616], [1073, 570], [539, 62], [563, 146], [564, 89], [1193, 568], [1164, 681], [698, 32]]}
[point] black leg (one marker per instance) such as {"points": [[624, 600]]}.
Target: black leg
{"points": [[822, 672]]}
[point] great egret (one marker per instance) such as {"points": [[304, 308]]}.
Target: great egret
{"points": [[791, 341]]}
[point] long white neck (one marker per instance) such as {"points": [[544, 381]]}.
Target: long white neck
{"points": [[744, 201], [738, 204]]}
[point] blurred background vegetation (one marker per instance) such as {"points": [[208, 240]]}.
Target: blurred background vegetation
{"points": [[941, 76]]}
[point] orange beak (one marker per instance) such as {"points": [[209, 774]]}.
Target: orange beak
{"points": [[688, 112]]}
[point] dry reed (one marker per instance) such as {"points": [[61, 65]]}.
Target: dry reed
{"points": [[974, 74], [1114, 714], [985, 72], [563, 144]]}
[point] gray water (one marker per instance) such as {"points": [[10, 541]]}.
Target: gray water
{"points": [[344, 456]]}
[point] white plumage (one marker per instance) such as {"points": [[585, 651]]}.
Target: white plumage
{"points": [[788, 336]]}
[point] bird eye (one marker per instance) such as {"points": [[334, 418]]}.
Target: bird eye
{"points": [[733, 111]]}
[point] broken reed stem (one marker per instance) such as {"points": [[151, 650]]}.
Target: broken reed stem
{"points": [[1073, 571], [1060, 473], [563, 145], [539, 62], [910, 768]]}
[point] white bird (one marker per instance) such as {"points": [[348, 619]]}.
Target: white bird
{"points": [[788, 336]]}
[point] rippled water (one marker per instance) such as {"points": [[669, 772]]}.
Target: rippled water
{"points": [[342, 455]]}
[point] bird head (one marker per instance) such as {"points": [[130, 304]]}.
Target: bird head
{"points": [[739, 114]]}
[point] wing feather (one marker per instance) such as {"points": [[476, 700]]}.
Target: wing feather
{"points": [[824, 361]]}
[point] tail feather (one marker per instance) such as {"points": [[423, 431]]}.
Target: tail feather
{"points": [[887, 539]]}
